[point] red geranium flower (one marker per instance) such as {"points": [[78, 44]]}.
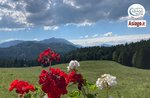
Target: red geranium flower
{"points": [[21, 87], [47, 56], [76, 78], [53, 82]]}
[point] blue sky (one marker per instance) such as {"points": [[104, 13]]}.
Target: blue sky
{"points": [[75, 20]]}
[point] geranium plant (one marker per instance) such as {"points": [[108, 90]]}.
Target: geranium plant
{"points": [[54, 82], [22, 87], [106, 81], [48, 56]]}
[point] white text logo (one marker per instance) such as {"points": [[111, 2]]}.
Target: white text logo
{"points": [[136, 11]]}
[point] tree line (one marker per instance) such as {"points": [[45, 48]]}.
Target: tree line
{"points": [[14, 62], [133, 54]]}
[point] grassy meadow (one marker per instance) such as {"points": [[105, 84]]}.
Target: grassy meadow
{"points": [[132, 82]]}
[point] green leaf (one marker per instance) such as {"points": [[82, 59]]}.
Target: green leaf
{"points": [[92, 87], [74, 94], [90, 96], [28, 96], [38, 92]]}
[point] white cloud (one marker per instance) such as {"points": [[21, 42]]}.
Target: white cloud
{"points": [[108, 34], [11, 29], [3, 1], [86, 36], [35, 39], [10, 39], [85, 23], [124, 18], [39, 13], [71, 3], [95, 35], [50, 28], [81, 37], [81, 24], [112, 40], [16, 16]]}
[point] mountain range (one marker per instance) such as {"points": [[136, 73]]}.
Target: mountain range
{"points": [[30, 49], [45, 41], [10, 43]]}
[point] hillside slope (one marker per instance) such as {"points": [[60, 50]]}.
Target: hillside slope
{"points": [[30, 50], [132, 82]]}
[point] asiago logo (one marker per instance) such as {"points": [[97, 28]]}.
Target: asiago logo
{"points": [[136, 11]]}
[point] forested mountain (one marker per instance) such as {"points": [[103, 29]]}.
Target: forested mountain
{"points": [[25, 54], [10, 43], [90, 53], [133, 54], [30, 50], [55, 40], [45, 41]]}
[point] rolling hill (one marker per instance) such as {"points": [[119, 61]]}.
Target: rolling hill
{"points": [[10, 43], [31, 49], [45, 41], [132, 82], [55, 40]]}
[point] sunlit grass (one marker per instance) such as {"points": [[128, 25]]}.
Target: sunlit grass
{"points": [[132, 82]]}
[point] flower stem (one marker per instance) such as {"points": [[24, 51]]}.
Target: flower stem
{"points": [[21, 96], [83, 91], [50, 63], [107, 96]]}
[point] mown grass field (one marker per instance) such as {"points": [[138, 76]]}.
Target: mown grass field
{"points": [[132, 82]]}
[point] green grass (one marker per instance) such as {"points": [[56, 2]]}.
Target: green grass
{"points": [[132, 82]]}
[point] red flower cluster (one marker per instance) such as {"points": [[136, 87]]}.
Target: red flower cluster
{"points": [[76, 78], [47, 56], [22, 87], [53, 82]]}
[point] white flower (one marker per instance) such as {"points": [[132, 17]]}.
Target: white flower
{"points": [[73, 65], [106, 81]]}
